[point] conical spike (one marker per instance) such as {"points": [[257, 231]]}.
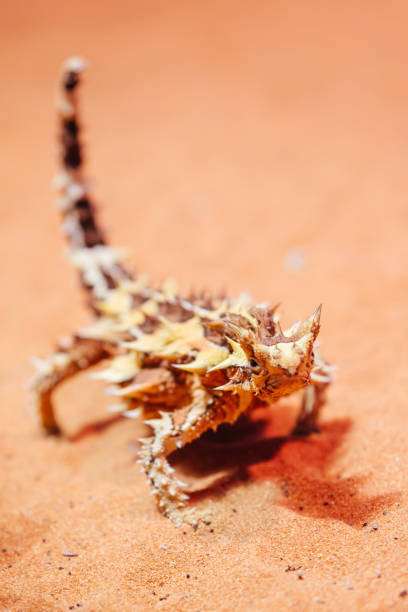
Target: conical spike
{"points": [[311, 324], [237, 358], [227, 387], [144, 344], [279, 331], [115, 408], [319, 378], [292, 331], [224, 325], [246, 385], [198, 365], [153, 423], [217, 324], [205, 359], [132, 414], [274, 308], [133, 390], [121, 369]]}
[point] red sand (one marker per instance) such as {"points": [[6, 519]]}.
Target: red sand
{"points": [[222, 136]]}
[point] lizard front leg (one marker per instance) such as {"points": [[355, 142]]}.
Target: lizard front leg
{"points": [[314, 398], [72, 356], [174, 430]]}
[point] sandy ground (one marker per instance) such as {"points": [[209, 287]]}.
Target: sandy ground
{"points": [[259, 146]]}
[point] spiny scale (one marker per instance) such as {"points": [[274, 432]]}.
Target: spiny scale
{"points": [[186, 365]]}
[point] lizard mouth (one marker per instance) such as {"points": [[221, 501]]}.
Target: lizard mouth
{"points": [[284, 386]]}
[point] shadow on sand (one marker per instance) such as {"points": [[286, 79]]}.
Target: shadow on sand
{"points": [[94, 428], [259, 447], [301, 467]]}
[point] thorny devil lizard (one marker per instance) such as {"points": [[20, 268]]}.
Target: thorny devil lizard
{"points": [[184, 365]]}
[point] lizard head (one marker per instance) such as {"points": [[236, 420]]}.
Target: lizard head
{"points": [[263, 359]]}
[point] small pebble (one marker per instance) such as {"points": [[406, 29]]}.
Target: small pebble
{"points": [[294, 260]]}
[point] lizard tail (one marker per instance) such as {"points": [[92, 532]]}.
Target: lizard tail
{"points": [[99, 265]]}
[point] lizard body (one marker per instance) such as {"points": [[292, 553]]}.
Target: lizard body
{"points": [[185, 365]]}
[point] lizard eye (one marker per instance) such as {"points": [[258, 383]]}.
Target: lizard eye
{"points": [[254, 364]]}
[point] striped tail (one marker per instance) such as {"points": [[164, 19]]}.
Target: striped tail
{"points": [[99, 265]]}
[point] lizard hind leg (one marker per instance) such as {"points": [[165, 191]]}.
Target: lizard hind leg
{"points": [[74, 355]]}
